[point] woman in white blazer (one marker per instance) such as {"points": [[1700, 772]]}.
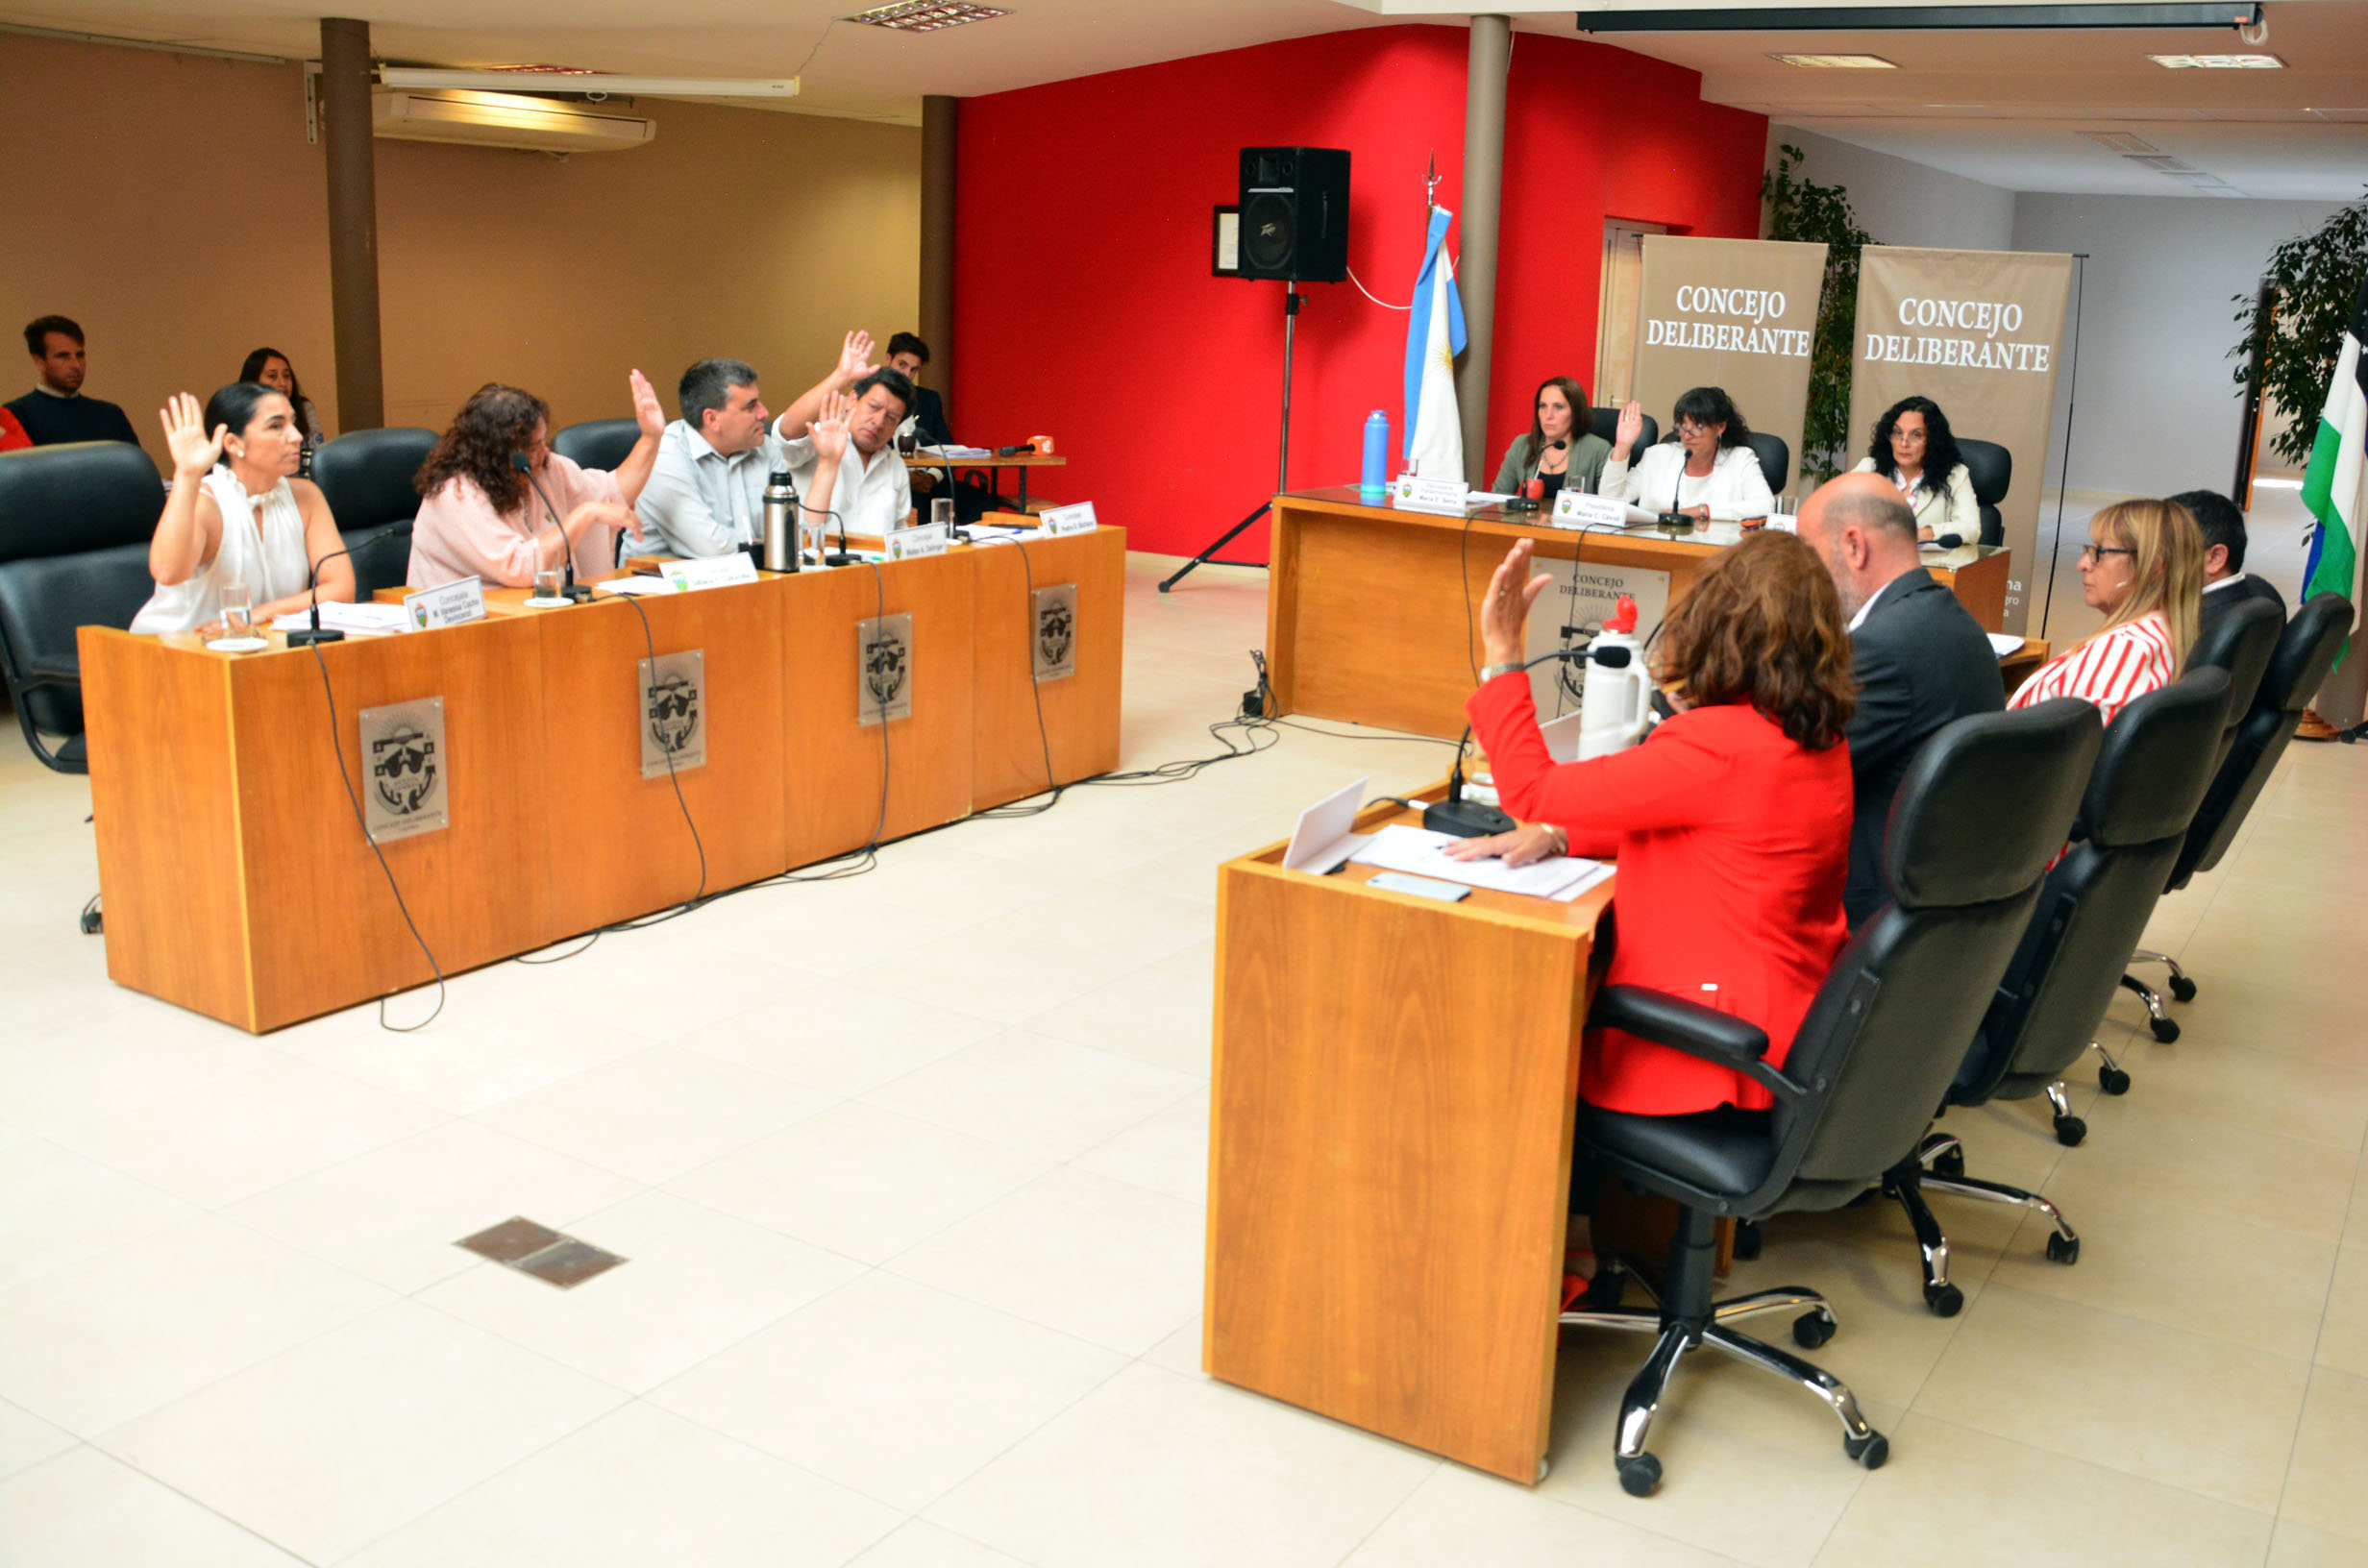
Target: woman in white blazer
{"points": [[1914, 449], [1704, 467]]}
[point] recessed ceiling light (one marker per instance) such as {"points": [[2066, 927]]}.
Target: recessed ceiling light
{"points": [[2218, 62], [925, 15], [1837, 62], [2120, 141]]}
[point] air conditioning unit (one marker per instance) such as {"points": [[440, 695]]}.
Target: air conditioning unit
{"points": [[503, 119]]}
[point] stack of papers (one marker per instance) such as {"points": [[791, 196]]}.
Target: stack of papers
{"points": [[957, 453], [1421, 852], [635, 585], [2004, 642], [338, 616]]}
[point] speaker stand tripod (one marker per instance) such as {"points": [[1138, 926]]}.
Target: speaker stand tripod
{"points": [[1292, 299]]}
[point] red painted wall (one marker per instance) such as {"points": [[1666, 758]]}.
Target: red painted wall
{"points": [[1084, 307]]}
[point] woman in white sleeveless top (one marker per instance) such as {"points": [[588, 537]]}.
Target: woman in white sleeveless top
{"points": [[237, 514]]}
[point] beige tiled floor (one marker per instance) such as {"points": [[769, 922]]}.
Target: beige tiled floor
{"points": [[910, 1170]]}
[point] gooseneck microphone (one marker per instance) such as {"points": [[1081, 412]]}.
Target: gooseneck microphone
{"points": [[1674, 519], [1465, 819], [312, 632], [567, 547]]}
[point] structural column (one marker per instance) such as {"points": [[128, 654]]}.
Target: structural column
{"points": [[352, 222], [938, 115], [1476, 265]]}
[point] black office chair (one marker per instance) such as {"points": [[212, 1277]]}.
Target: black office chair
{"points": [[1984, 807], [1605, 423], [365, 477], [1991, 469], [2149, 778], [1775, 459], [75, 525], [2304, 653], [597, 443]]}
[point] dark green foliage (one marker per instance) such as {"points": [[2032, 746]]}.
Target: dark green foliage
{"points": [[1803, 210], [2314, 279]]}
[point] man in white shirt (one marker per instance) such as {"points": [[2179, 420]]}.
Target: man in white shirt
{"points": [[863, 489], [706, 492]]}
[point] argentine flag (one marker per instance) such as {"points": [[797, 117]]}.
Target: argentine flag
{"points": [[2335, 485], [1434, 338]]}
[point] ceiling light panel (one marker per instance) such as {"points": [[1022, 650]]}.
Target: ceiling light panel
{"points": [[2121, 141], [2218, 62], [1837, 62], [925, 15]]}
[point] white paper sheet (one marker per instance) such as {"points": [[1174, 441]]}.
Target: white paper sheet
{"points": [[338, 616], [1420, 852], [635, 585], [2004, 642]]}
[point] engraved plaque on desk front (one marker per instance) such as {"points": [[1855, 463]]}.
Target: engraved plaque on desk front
{"points": [[673, 712], [1055, 644], [883, 669], [406, 770]]}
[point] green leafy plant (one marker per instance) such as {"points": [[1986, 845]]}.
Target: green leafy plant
{"points": [[1802, 209], [2298, 326]]}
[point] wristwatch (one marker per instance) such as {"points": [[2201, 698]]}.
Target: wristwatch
{"points": [[1489, 673]]}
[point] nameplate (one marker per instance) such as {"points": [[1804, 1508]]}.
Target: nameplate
{"points": [[912, 543], [1445, 497], [1576, 509], [450, 605], [1055, 521], [711, 572]]}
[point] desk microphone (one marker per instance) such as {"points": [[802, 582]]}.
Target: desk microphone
{"points": [[1464, 819], [1948, 541], [567, 547], [1673, 519], [1013, 451], [305, 635]]}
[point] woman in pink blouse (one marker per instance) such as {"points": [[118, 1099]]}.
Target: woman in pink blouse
{"points": [[480, 517], [2144, 568]]}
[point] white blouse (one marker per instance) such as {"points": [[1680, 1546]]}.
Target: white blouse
{"points": [[1952, 508], [1734, 489], [263, 546]]}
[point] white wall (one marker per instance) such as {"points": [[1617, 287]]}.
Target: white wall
{"points": [[2159, 411], [1901, 202]]}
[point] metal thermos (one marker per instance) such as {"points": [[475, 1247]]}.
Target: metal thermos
{"points": [[780, 539]]}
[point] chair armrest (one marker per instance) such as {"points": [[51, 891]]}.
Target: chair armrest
{"points": [[1698, 1031], [54, 670]]}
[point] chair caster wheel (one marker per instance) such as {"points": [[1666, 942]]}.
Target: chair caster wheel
{"points": [[1945, 1300], [2063, 1249], [1950, 1161], [2183, 987], [1869, 1451], [2070, 1130], [1747, 1240], [1640, 1474], [2114, 1080], [2166, 1030], [1811, 1330]]}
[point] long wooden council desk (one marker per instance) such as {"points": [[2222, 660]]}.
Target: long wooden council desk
{"points": [[1371, 613], [238, 884]]}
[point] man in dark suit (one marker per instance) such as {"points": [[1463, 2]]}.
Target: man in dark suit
{"points": [[972, 500], [1919, 660], [2226, 581]]}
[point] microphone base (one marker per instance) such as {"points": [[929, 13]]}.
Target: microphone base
{"points": [[306, 636], [840, 557], [1678, 521], [576, 593], [1467, 819]]}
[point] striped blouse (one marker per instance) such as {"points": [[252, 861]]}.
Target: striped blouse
{"points": [[2111, 670]]}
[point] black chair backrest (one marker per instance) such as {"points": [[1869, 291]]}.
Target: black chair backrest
{"points": [[597, 443], [2305, 651], [1985, 807], [1775, 458], [1990, 468], [75, 524], [2240, 643], [365, 476], [2149, 778], [1605, 423]]}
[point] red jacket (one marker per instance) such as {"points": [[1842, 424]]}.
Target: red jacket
{"points": [[1733, 844]]}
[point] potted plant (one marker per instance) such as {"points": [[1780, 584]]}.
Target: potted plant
{"points": [[1803, 210], [2295, 323]]}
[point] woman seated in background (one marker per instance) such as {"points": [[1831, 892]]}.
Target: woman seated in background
{"points": [[1704, 467], [1914, 449], [1557, 450], [2143, 567], [1731, 821], [238, 514], [269, 367], [480, 516]]}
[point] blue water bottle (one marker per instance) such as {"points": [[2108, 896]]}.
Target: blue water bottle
{"points": [[1375, 485]]}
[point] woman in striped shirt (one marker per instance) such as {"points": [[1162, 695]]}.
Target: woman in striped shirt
{"points": [[2144, 568]]}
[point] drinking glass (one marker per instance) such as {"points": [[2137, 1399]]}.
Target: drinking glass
{"points": [[237, 610], [547, 582], [941, 512]]}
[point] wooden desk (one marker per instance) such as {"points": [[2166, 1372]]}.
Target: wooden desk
{"points": [[1392, 1097], [238, 884], [1372, 613], [1023, 461]]}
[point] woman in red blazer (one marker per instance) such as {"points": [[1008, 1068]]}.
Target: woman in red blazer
{"points": [[1730, 824]]}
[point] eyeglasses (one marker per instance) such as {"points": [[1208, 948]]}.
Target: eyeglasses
{"points": [[1908, 437], [1693, 427], [2097, 553]]}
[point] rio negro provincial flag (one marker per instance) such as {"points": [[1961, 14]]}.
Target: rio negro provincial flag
{"points": [[1434, 338], [2335, 485]]}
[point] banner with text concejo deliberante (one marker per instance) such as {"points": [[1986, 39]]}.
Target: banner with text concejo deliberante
{"points": [[1980, 333], [1735, 313]]}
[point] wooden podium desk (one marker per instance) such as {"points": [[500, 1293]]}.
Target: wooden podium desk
{"points": [[1369, 617], [1393, 1093], [238, 884]]}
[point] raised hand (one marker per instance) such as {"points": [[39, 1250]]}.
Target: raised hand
{"points": [[855, 358], [1630, 429], [829, 432], [646, 410], [194, 451], [1504, 609]]}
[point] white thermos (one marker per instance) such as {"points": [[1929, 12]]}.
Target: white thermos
{"points": [[1616, 700]]}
